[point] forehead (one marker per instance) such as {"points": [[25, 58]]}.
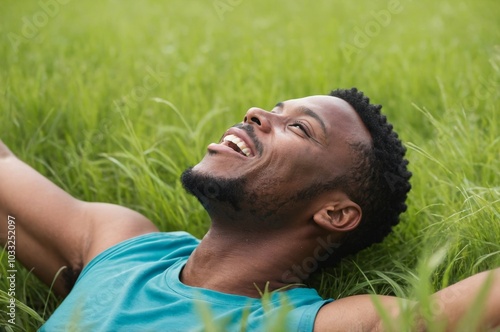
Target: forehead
{"points": [[338, 116]]}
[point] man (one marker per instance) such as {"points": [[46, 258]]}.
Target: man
{"points": [[313, 180]]}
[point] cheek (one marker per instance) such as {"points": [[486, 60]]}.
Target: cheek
{"points": [[292, 169]]}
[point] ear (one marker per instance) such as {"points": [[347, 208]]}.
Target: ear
{"points": [[339, 216]]}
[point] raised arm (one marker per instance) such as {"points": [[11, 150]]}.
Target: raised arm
{"points": [[53, 229], [450, 306]]}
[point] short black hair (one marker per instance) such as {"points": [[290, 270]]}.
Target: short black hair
{"points": [[378, 181]]}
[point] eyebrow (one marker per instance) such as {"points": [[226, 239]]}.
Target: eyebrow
{"points": [[310, 113]]}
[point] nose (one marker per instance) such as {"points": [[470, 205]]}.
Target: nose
{"points": [[258, 117]]}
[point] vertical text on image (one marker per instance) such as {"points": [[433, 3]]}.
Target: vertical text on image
{"points": [[11, 272]]}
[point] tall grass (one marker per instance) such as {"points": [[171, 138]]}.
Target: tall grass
{"points": [[113, 99]]}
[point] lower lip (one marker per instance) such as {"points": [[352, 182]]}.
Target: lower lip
{"points": [[224, 149]]}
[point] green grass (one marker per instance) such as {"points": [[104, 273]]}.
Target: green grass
{"points": [[113, 99]]}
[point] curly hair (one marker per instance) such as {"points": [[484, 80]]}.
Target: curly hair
{"points": [[379, 180]]}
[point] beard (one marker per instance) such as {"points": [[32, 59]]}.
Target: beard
{"points": [[264, 203], [231, 199], [209, 189]]}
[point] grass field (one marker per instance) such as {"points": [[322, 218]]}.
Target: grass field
{"points": [[112, 100]]}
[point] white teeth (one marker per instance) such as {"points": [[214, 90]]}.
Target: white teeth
{"points": [[239, 142], [230, 138], [241, 145]]}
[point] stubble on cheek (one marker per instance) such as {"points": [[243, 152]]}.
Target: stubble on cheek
{"points": [[269, 200]]}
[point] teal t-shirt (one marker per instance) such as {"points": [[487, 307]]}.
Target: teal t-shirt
{"points": [[135, 286]]}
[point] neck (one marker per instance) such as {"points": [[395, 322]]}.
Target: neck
{"points": [[247, 263]]}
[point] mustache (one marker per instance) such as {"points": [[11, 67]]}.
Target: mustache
{"points": [[250, 130]]}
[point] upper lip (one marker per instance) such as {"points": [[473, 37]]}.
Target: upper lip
{"points": [[242, 135]]}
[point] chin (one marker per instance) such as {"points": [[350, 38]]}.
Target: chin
{"points": [[218, 168], [211, 189]]}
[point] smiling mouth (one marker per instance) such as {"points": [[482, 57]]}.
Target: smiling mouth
{"points": [[237, 144]]}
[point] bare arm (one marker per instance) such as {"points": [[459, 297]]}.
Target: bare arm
{"points": [[53, 229], [358, 313], [453, 302]]}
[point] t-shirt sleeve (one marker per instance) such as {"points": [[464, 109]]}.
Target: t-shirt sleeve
{"points": [[145, 247]]}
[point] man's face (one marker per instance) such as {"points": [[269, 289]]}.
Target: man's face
{"points": [[273, 156]]}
